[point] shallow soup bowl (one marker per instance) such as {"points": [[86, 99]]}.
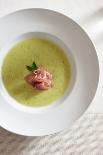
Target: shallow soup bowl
{"points": [[81, 54]]}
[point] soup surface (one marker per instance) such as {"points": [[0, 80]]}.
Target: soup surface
{"points": [[42, 52]]}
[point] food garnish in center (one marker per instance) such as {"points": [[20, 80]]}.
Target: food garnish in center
{"points": [[39, 78]]}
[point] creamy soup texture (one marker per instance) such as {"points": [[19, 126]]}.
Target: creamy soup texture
{"points": [[45, 53]]}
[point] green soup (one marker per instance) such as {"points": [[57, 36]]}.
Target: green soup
{"points": [[44, 53]]}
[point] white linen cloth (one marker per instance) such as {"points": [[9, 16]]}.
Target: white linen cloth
{"points": [[86, 136]]}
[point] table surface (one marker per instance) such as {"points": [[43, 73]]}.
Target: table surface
{"points": [[84, 138]]}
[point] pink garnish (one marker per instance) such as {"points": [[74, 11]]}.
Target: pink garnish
{"points": [[40, 79]]}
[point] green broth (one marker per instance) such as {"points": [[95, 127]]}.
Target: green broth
{"points": [[44, 53]]}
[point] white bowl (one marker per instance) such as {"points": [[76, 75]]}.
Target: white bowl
{"points": [[85, 68]]}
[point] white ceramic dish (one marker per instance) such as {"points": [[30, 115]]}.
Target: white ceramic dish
{"points": [[59, 117]]}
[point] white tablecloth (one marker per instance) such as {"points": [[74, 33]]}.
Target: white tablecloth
{"points": [[86, 136]]}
